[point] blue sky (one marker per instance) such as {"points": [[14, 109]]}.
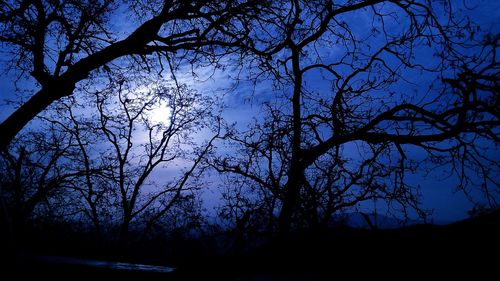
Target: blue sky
{"points": [[245, 104]]}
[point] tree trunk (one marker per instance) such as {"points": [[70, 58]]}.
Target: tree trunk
{"points": [[295, 174], [290, 202], [124, 233], [97, 224]]}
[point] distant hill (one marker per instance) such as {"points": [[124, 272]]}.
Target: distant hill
{"points": [[370, 221]]}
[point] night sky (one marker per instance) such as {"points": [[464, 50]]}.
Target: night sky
{"points": [[244, 104]]}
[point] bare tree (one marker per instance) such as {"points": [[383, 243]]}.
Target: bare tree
{"points": [[133, 149], [375, 103], [377, 56], [60, 43], [37, 178], [257, 171], [112, 158], [91, 188]]}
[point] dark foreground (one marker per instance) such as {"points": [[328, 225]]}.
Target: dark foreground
{"points": [[469, 247]]}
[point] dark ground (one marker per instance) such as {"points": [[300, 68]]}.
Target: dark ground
{"points": [[469, 247]]}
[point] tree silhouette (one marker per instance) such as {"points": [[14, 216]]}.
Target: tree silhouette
{"points": [[108, 165], [374, 103], [60, 43], [131, 147], [360, 87], [37, 179]]}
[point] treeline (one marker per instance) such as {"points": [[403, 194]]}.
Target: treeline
{"points": [[353, 106]]}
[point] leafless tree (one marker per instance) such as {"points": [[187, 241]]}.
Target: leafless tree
{"points": [[111, 158], [138, 154], [60, 43], [377, 56], [259, 165], [90, 189], [37, 179]]}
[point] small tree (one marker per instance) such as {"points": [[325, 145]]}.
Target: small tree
{"points": [[134, 149], [37, 179]]}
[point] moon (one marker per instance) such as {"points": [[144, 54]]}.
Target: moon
{"points": [[160, 114]]}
